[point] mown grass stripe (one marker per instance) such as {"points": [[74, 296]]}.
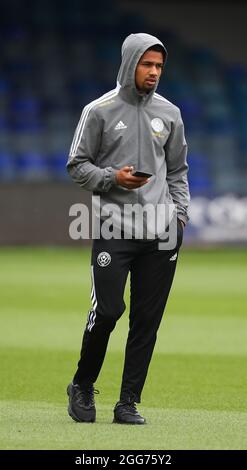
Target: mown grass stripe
{"points": [[29, 425]]}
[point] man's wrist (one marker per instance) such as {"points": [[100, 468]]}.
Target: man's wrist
{"points": [[182, 222], [115, 177]]}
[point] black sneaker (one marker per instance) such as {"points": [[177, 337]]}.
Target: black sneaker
{"points": [[126, 413], [81, 403]]}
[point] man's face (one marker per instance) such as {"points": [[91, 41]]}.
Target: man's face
{"points": [[148, 70]]}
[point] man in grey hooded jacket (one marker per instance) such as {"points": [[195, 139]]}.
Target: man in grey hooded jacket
{"points": [[129, 128]]}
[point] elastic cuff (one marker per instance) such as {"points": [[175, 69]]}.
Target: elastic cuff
{"points": [[129, 397], [114, 177], [109, 178]]}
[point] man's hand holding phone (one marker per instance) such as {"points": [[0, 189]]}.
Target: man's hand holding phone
{"points": [[128, 178]]}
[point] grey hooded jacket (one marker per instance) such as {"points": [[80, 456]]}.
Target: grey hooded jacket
{"points": [[123, 128]]}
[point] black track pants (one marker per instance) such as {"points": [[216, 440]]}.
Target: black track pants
{"points": [[151, 275]]}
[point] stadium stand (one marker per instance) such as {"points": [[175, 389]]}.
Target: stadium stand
{"points": [[57, 56]]}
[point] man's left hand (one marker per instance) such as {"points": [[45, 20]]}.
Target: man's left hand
{"points": [[182, 222]]}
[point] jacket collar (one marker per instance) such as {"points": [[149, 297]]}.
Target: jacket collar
{"points": [[132, 96]]}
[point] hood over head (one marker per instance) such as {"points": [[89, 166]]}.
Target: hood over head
{"points": [[133, 48]]}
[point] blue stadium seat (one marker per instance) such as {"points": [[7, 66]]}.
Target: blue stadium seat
{"points": [[56, 164], [31, 167], [7, 167], [199, 174]]}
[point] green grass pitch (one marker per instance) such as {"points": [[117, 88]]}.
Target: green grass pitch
{"points": [[195, 393]]}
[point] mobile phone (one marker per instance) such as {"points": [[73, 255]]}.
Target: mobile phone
{"points": [[142, 173]]}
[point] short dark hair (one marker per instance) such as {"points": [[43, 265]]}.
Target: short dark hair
{"points": [[158, 48]]}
